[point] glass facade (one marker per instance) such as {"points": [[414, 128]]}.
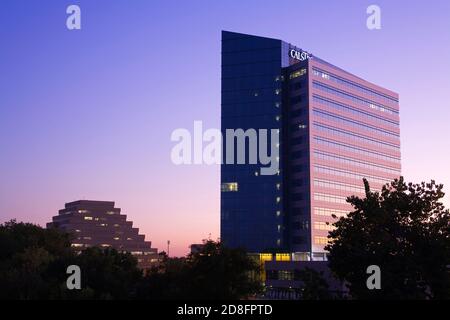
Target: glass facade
{"points": [[335, 129], [251, 99]]}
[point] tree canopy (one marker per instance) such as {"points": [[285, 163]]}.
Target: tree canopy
{"points": [[214, 272], [405, 230], [33, 264]]}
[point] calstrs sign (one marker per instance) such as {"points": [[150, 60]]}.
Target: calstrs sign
{"points": [[299, 55]]}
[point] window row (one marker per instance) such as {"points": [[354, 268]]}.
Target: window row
{"points": [[350, 174], [353, 162], [356, 112], [352, 85], [346, 147], [338, 186], [320, 240], [283, 275], [341, 120], [319, 225], [364, 102], [329, 198], [297, 73], [354, 137], [300, 225], [329, 212]]}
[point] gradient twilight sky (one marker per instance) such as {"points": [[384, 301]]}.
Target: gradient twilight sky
{"points": [[88, 114]]}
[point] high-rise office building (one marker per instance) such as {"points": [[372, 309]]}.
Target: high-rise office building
{"points": [[100, 224], [335, 129]]}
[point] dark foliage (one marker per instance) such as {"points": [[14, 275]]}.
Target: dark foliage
{"points": [[405, 230], [33, 264], [216, 272]]}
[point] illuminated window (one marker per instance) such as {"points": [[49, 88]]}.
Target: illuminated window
{"points": [[117, 225], [129, 239], [229, 187], [105, 245], [265, 257], [87, 238], [77, 230], [297, 73], [88, 218], [320, 240], [282, 257], [110, 212], [319, 225], [103, 224], [83, 211], [77, 245], [116, 238], [278, 213], [278, 199]]}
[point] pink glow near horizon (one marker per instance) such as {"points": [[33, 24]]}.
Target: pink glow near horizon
{"points": [[88, 114]]}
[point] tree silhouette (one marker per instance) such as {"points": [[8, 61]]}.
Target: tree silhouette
{"points": [[214, 272], [405, 230], [314, 285], [33, 264]]}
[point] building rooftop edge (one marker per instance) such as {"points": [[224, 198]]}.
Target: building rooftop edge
{"points": [[318, 59]]}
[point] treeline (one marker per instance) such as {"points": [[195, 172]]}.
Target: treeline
{"points": [[33, 264]]}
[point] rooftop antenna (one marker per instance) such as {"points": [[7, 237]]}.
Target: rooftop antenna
{"points": [[168, 247]]}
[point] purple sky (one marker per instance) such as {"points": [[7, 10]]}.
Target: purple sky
{"points": [[88, 114]]}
